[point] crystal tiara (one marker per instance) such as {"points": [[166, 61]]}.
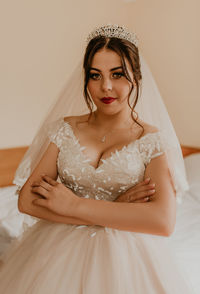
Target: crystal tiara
{"points": [[115, 31]]}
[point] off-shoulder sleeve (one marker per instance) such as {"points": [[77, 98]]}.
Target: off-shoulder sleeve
{"points": [[58, 132], [151, 145]]}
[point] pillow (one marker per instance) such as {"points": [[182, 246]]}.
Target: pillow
{"points": [[192, 165]]}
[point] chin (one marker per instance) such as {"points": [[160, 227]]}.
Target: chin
{"points": [[108, 110]]}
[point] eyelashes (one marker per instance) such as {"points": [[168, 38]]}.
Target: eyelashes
{"points": [[97, 76]]}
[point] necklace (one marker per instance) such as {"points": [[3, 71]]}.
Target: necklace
{"points": [[103, 139]]}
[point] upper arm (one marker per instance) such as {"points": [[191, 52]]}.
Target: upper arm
{"points": [[157, 169], [165, 199], [48, 166]]}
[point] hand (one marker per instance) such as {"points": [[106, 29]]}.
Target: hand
{"points": [[56, 197], [142, 192]]}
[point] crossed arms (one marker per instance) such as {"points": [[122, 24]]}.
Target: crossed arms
{"points": [[156, 217]]}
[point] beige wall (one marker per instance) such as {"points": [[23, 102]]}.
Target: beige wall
{"points": [[169, 32], [41, 40]]}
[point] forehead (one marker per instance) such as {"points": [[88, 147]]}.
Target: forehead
{"points": [[106, 58]]}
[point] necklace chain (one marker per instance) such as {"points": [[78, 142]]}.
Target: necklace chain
{"points": [[103, 139]]}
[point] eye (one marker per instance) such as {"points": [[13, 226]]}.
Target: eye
{"points": [[94, 76], [118, 75]]}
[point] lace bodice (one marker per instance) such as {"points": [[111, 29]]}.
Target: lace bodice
{"points": [[121, 170]]}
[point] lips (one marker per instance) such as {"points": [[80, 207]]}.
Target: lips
{"points": [[108, 100]]}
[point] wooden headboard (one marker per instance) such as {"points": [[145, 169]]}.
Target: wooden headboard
{"points": [[10, 159], [187, 150]]}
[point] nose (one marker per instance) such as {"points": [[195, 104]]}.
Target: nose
{"points": [[106, 84]]}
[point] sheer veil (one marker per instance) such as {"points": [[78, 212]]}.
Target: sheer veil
{"points": [[150, 108]]}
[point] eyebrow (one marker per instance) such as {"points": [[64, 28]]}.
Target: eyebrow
{"points": [[114, 68]]}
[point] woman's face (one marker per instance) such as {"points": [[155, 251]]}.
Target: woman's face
{"points": [[108, 80]]}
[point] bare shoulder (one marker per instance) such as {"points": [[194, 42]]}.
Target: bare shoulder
{"points": [[73, 120], [69, 119]]}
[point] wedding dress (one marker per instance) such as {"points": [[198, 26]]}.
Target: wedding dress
{"points": [[79, 259]]}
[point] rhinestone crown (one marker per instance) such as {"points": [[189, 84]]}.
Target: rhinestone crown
{"points": [[115, 31]]}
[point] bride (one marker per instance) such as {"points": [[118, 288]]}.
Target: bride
{"points": [[131, 165]]}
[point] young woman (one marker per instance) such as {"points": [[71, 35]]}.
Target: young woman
{"points": [[117, 244]]}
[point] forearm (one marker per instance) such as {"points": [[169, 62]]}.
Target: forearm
{"points": [[46, 214], [136, 217]]}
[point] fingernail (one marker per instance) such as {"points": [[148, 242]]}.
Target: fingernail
{"points": [[147, 179]]}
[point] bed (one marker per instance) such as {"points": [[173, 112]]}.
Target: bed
{"points": [[185, 240]]}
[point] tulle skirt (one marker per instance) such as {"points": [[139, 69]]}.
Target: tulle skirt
{"points": [[57, 258], [46, 257]]}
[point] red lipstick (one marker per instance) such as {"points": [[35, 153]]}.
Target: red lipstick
{"points": [[108, 100]]}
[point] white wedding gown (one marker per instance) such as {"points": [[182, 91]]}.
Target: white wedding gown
{"points": [[59, 258]]}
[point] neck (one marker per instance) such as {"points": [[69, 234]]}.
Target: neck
{"points": [[115, 121]]}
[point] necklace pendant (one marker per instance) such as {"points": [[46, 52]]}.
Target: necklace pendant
{"points": [[103, 139]]}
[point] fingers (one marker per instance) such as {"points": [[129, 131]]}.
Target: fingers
{"points": [[144, 186], [46, 182], [138, 193], [40, 202], [144, 193], [49, 180], [145, 182], [142, 200], [42, 184], [132, 200], [40, 190], [141, 191]]}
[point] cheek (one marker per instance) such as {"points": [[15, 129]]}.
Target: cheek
{"points": [[124, 88], [92, 87]]}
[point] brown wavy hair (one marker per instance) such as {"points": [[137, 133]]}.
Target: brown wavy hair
{"points": [[124, 49]]}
